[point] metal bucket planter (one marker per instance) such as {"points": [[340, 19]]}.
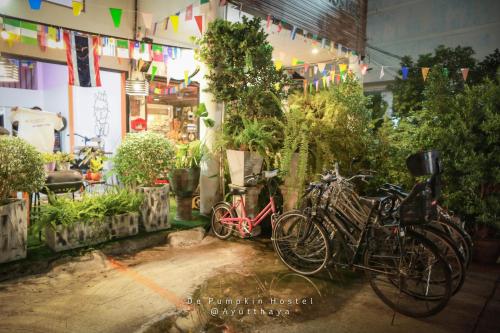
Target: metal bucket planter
{"points": [[243, 164], [13, 231], [184, 183], [79, 234], [156, 207], [123, 225]]}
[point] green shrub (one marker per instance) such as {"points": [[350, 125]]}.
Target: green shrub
{"points": [[142, 158], [21, 167]]}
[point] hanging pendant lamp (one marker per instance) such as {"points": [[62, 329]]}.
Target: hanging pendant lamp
{"points": [[137, 85], [8, 71]]}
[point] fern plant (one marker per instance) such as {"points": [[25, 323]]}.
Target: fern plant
{"points": [[189, 155], [255, 136]]}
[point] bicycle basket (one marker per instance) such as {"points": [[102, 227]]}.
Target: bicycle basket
{"points": [[424, 163], [418, 207]]}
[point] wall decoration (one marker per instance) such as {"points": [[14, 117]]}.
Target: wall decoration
{"points": [[101, 114]]}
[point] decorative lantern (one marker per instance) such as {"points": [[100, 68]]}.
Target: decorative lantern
{"points": [[137, 85]]}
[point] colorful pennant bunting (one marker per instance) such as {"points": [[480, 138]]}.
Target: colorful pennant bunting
{"points": [[189, 13], [35, 4], [147, 19], [425, 72], [465, 73], [175, 22], [404, 71], [116, 15], [77, 7], [199, 22], [154, 69]]}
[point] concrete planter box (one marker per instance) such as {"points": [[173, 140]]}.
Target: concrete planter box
{"points": [[13, 231], [156, 208], [77, 235], [243, 164], [123, 225]]}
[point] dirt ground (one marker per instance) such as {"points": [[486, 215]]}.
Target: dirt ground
{"points": [[222, 286]]}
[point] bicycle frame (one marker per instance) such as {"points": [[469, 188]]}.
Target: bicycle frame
{"points": [[246, 224]]}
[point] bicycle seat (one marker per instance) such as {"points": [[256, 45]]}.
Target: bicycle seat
{"points": [[370, 201], [237, 190]]}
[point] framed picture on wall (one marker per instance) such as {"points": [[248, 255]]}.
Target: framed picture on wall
{"points": [[66, 3]]}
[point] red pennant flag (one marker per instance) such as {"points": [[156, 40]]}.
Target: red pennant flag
{"points": [[189, 13], [268, 22], [306, 67], [280, 26], [199, 22], [364, 68], [465, 73], [223, 3], [42, 37]]}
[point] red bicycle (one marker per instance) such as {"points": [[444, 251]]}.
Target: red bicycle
{"points": [[225, 218]]}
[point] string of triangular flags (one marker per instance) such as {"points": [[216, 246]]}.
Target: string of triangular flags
{"points": [[405, 70], [47, 36]]}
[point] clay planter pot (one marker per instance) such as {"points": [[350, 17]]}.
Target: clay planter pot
{"points": [[486, 251], [79, 234], [184, 183], [155, 208], [243, 164], [13, 230]]}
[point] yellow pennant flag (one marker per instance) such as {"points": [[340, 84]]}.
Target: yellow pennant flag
{"points": [[186, 78], [343, 68], [278, 64], [77, 7], [425, 72], [324, 82], [295, 61], [175, 22]]}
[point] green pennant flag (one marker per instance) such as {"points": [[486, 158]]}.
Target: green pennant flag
{"points": [[116, 15], [153, 72], [29, 33], [202, 2]]}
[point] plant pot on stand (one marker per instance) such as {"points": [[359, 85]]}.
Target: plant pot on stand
{"points": [[242, 164], [184, 183], [13, 230]]}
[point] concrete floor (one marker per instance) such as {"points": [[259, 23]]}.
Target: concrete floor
{"points": [[148, 292]]}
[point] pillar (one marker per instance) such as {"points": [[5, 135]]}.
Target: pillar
{"points": [[210, 187]]}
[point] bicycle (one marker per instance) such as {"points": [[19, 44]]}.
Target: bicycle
{"points": [[406, 270], [224, 216]]}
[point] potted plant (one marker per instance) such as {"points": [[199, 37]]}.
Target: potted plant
{"points": [[64, 160], [122, 212], [71, 224], [241, 74], [95, 169], [185, 177], [140, 160], [49, 159], [21, 169], [254, 143]]}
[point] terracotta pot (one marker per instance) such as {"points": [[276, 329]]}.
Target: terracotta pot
{"points": [[96, 176], [486, 251]]}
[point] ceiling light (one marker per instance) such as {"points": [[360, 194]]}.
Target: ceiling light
{"points": [[137, 85], [315, 50]]}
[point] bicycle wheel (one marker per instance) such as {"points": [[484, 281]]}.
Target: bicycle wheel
{"points": [[301, 243], [449, 252], [401, 268], [220, 211], [461, 238]]}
